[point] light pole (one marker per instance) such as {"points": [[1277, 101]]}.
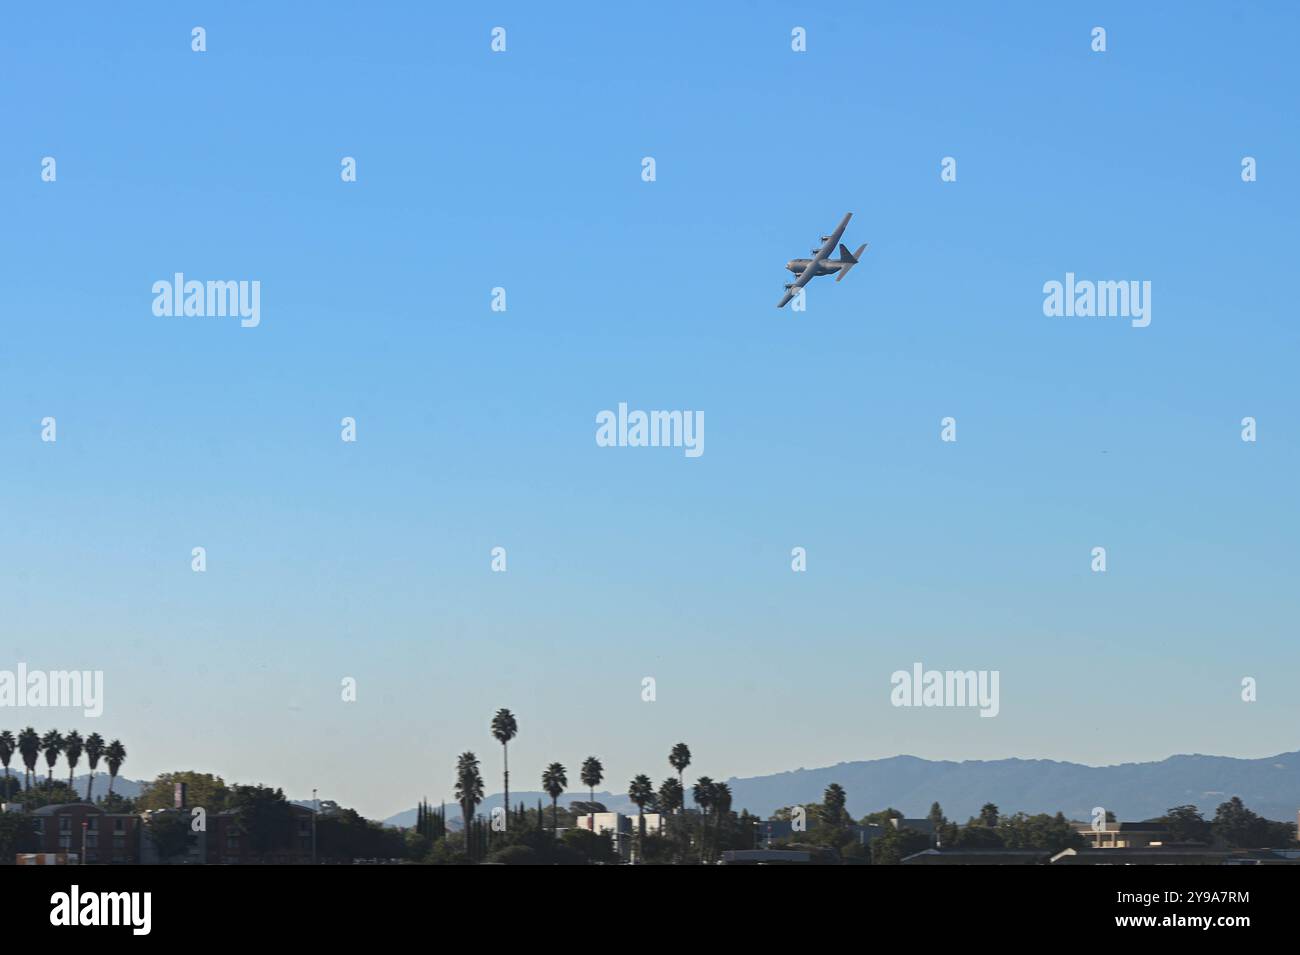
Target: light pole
{"points": [[315, 809]]}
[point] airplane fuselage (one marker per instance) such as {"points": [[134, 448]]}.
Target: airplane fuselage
{"points": [[824, 267]]}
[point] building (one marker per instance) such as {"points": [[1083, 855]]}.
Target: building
{"points": [[96, 836], [767, 831], [1123, 835], [228, 844], [622, 828]]}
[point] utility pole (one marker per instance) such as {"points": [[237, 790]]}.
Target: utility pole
{"points": [[314, 811]]}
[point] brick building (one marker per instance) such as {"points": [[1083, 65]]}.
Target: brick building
{"points": [[96, 836]]}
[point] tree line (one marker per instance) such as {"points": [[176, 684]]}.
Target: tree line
{"points": [[30, 746]]}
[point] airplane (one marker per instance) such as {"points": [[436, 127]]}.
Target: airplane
{"points": [[819, 264]]}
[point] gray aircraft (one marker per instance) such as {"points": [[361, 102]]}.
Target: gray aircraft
{"points": [[808, 269]]}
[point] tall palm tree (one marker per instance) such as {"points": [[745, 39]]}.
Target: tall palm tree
{"points": [[52, 743], [73, 745], [469, 790], [592, 773], [553, 782], [115, 755], [8, 746], [703, 794], [504, 729], [679, 759], [29, 745], [640, 790], [721, 806], [94, 750]]}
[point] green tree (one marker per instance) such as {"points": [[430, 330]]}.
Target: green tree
{"points": [[1049, 833], [115, 755], [8, 746], [592, 773], [989, 815], [170, 834], [17, 834], [554, 781], [670, 795], [679, 759], [201, 789], [672, 800], [52, 745], [1240, 828], [641, 791], [72, 748], [703, 793], [894, 845], [29, 747], [469, 792], [264, 816], [975, 835], [1186, 824], [591, 846], [504, 729], [881, 818], [94, 750], [833, 813], [721, 814]]}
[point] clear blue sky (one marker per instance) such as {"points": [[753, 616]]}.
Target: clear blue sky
{"points": [[476, 429]]}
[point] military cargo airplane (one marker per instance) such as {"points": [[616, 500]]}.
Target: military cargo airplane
{"points": [[808, 269]]}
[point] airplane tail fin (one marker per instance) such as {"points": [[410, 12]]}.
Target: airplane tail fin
{"points": [[849, 257]]}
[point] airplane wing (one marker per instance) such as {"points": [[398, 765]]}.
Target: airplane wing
{"points": [[832, 240], [804, 278], [828, 244]]}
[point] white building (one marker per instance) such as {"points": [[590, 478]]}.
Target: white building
{"points": [[623, 828]]}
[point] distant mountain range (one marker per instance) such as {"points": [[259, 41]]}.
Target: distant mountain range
{"points": [[127, 788], [1133, 791]]}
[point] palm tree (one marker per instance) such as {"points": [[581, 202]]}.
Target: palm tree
{"points": [[8, 747], [592, 773], [721, 806], [553, 782], [671, 800], [504, 729], [52, 743], [73, 745], [640, 790], [670, 795], [703, 794], [469, 790], [94, 750], [115, 755], [29, 745], [679, 759]]}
